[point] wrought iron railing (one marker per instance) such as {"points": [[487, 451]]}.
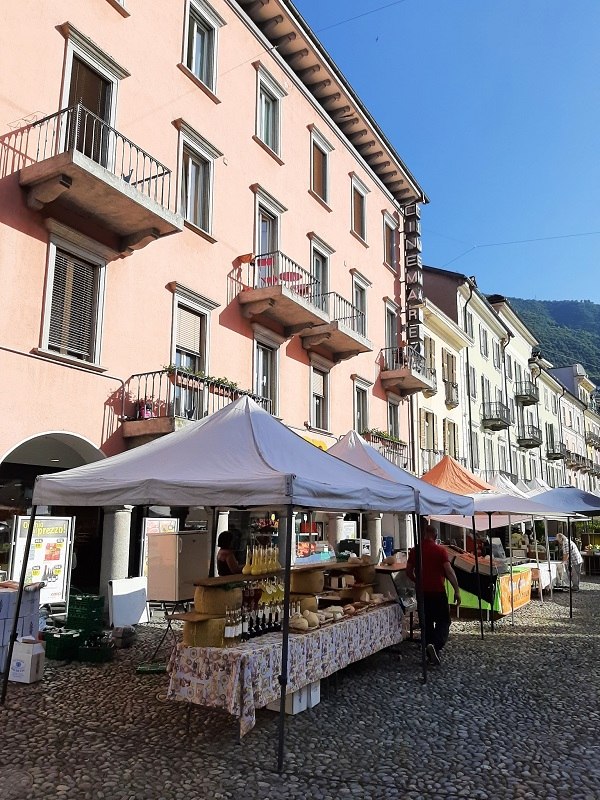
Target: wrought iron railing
{"points": [[451, 393], [78, 128], [489, 475], [496, 412], [556, 451], [527, 391], [176, 393], [592, 439], [395, 358], [529, 433], [277, 269], [394, 451]]}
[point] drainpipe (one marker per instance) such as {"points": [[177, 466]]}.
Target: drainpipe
{"points": [[71, 366], [504, 342], [538, 370], [470, 431]]}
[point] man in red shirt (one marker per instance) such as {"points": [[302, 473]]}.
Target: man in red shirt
{"points": [[436, 568]]}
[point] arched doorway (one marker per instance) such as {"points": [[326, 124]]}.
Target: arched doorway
{"points": [[51, 451]]}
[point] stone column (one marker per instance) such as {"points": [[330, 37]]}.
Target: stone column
{"points": [[335, 530], [374, 533], [116, 535]]}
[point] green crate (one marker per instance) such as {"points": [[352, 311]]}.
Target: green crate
{"points": [[96, 655], [86, 601], [62, 645]]}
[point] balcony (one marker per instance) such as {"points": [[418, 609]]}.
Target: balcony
{"points": [[526, 393], [574, 460], [587, 465], [495, 416], [74, 162], [403, 371], [490, 474], [555, 451], [273, 286], [592, 439], [393, 449], [161, 402], [529, 436], [451, 394]]}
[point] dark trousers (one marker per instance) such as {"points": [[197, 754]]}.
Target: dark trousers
{"points": [[437, 618]]}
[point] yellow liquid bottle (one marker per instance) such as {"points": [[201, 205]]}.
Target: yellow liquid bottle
{"points": [[247, 568], [255, 569]]}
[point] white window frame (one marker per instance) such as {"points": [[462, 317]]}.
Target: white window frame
{"points": [[321, 365], [321, 248], [472, 382], [191, 140], [80, 246], [318, 140], [266, 201], [97, 59], [496, 354], [361, 283], [391, 309], [469, 324], [389, 223], [357, 185], [213, 22], [394, 409], [484, 347], [187, 298], [266, 83], [267, 338], [360, 384]]}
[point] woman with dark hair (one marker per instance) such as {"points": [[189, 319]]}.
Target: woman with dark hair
{"points": [[226, 561]]}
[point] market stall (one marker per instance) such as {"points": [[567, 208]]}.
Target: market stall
{"points": [[240, 456]]}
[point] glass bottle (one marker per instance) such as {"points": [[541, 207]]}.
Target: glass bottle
{"points": [[255, 569], [245, 630], [247, 568]]}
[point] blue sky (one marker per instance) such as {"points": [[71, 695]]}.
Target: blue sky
{"points": [[494, 105]]}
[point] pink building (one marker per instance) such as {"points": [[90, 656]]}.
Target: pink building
{"points": [[202, 189]]}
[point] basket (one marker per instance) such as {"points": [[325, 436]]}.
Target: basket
{"points": [[62, 645], [216, 600]]}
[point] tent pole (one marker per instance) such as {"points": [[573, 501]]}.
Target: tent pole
{"points": [[283, 678], [537, 561], [420, 597], [492, 580], [213, 540], [478, 576], [548, 553], [510, 568], [13, 633], [570, 581]]}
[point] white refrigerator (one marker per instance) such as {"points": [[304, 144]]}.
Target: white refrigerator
{"points": [[175, 561]]}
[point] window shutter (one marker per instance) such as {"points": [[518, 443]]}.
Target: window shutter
{"points": [[189, 330], [445, 436], [318, 383], [73, 309], [434, 427], [422, 441]]}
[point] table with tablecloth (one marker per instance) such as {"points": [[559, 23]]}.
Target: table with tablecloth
{"points": [[243, 678]]}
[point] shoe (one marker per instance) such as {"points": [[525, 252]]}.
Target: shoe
{"points": [[433, 655]]}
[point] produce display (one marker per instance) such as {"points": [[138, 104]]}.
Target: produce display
{"points": [[303, 622]]}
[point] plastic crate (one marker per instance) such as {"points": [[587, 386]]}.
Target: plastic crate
{"points": [[62, 645], [96, 655], [88, 602]]}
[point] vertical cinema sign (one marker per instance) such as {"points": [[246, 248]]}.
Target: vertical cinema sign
{"points": [[414, 277]]}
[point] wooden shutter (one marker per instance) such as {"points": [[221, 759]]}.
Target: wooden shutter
{"points": [[73, 310], [319, 171], [434, 428], [445, 436], [422, 441]]}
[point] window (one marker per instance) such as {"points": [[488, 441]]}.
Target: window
{"points": [[469, 323], [266, 364], [389, 242], [320, 385], [359, 294], [448, 366], [497, 357], [488, 447], [451, 438], [266, 237], [485, 390], [509, 367], [427, 430], [190, 344], [393, 419], [472, 383], [197, 168], [512, 409], [483, 342], [268, 110], [200, 46], [74, 304], [554, 403], [320, 253], [361, 405], [475, 449], [319, 164], [359, 208], [518, 373], [391, 328], [429, 353]]}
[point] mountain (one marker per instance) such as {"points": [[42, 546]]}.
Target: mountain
{"points": [[568, 331]]}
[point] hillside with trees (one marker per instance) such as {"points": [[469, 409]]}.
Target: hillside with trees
{"points": [[568, 331]]}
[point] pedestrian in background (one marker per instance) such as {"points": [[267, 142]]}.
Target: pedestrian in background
{"points": [[568, 545], [436, 568]]}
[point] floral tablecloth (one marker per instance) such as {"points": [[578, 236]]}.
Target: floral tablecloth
{"points": [[243, 678]]}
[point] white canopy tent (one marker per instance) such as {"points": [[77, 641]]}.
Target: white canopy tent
{"points": [[240, 456], [353, 449]]}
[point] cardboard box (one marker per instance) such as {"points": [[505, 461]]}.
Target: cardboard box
{"points": [[27, 665], [295, 702], [3, 657], [313, 694], [26, 626], [8, 603]]}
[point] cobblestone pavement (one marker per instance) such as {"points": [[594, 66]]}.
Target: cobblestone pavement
{"points": [[515, 715]]}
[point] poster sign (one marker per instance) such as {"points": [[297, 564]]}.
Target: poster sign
{"points": [[154, 525], [49, 557]]}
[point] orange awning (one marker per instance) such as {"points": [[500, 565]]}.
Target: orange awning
{"points": [[453, 477]]}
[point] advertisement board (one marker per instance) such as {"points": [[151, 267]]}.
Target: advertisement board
{"points": [[154, 525], [49, 557]]}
